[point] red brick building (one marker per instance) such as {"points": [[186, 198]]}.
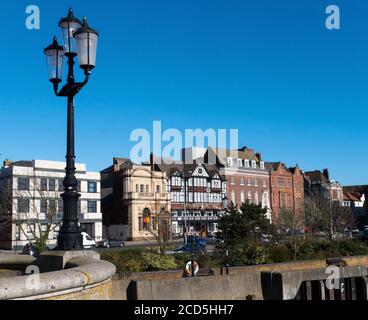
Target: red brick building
{"points": [[286, 187], [246, 175]]}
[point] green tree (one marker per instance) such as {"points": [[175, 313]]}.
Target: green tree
{"points": [[246, 224]]}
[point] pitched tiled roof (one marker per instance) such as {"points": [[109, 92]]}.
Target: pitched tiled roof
{"points": [[349, 196], [362, 189], [316, 177]]}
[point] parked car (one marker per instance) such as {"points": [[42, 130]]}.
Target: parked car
{"points": [[188, 248], [356, 234], [196, 240], [213, 239], [364, 235], [111, 243], [31, 250], [88, 242]]}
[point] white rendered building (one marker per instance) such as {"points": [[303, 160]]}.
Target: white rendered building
{"points": [[34, 193]]}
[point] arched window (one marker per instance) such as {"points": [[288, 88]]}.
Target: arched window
{"points": [[242, 197], [233, 197], [147, 219], [256, 199]]}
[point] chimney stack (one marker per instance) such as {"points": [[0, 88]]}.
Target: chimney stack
{"points": [[7, 163], [326, 174]]}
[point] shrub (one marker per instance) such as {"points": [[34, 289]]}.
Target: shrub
{"points": [[248, 254], [278, 254], [158, 262]]}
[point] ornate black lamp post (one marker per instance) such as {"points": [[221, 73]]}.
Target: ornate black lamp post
{"points": [[79, 40]]}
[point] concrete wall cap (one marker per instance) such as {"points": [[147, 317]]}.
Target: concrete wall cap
{"points": [[89, 272]]}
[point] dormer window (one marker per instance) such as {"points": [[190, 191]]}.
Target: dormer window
{"points": [[254, 164], [246, 163], [229, 162], [240, 163], [262, 165]]}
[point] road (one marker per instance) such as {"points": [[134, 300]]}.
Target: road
{"points": [[139, 244]]}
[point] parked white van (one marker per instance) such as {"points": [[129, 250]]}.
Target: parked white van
{"points": [[88, 242]]}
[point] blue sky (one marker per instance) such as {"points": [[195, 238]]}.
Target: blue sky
{"points": [[296, 91]]}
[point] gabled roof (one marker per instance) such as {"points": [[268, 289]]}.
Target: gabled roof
{"points": [[274, 166], [293, 169], [349, 196], [316, 177], [188, 169]]}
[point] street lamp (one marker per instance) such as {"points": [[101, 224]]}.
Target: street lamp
{"points": [[79, 40]]}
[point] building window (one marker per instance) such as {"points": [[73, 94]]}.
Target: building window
{"points": [[60, 206], [61, 185], [281, 182], [43, 186], [79, 186], [290, 203], [141, 190], [43, 206], [282, 200], [254, 164], [31, 231], [232, 181], [246, 163], [265, 199], [140, 223], [256, 182], [240, 163], [23, 205], [52, 207], [23, 183], [229, 162], [92, 187], [147, 221], [262, 165], [242, 197], [242, 181], [92, 206], [158, 189], [52, 185], [17, 233], [249, 196], [233, 197], [256, 199]]}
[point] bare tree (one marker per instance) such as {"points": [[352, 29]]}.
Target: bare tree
{"points": [[34, 211], [289, 227], [160, 228], [5, 207], [327, 218]]}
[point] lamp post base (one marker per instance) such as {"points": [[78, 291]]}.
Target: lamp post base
{"points": [[70, 241]]}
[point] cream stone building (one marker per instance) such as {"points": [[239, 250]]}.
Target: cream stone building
{"points": [[135, 203]]}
